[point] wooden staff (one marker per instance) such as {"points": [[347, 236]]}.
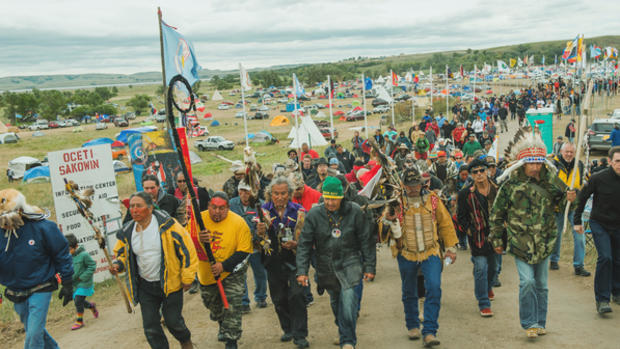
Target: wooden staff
{"points": [[83, 210], [582, 122]]}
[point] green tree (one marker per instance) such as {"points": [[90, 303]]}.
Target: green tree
{"points": [[51, 104], [139, 103]]}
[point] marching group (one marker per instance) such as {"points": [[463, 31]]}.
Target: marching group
{"points": [[441, 188]]}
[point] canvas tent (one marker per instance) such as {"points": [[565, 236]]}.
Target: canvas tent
{"points": [[194, 158], [217, 96], [307, 132], [21, 164], [37, 174], [120, 166], [279, 120]]}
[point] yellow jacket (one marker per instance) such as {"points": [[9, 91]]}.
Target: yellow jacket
{"points": [[179, 261], [229, 236]]}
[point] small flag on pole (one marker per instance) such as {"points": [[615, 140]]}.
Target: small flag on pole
{"points": [[299, 91], [394, 79], [367, 83], [246, 83], [179, 57]]}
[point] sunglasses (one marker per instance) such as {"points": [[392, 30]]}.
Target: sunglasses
{"points": [[181, 181], [481, 170], [458, 158]]}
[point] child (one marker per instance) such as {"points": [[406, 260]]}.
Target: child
{"points": [[83, 268]]}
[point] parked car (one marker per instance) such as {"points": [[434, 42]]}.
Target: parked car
{"points": [[40, 124], [72, 122], [101, 126], [378, 102], [263, 108], [615, 114], [160, 118], [223, 107], [260, 115], [129, 115], [120, 122], [253, 107], [327, 133], [214, 143], [403, 97], [62, 123], [53, 124], [356, 115], [381, 109], [239, 114], [599, 133]]}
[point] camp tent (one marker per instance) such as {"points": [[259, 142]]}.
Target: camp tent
{"points": [[217, 96], [21, 164], [37, 174], [279, 120], [123, 136], [120, 166], [215, 123], [263, 137], [98, 141], [194, 158], [307, 132]]}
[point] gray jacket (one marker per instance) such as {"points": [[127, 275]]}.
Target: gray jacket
{"points": [[341, 261]]}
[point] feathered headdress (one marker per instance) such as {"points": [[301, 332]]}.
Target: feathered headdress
{"points": [[527, 146]]}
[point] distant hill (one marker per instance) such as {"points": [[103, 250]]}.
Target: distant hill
{"points": [[371, 66]]}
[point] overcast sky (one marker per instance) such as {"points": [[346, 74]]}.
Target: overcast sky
{"points": [[121, 36]]}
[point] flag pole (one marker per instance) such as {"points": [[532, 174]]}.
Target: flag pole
{"points": [[364, 99], [475, 76], [296, 117], [161, 50], [447, 93], [329, 96], [431, 74], [245, 118], [392, 96]]}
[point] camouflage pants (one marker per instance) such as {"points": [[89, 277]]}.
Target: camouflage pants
{"points": [[229, 320]]}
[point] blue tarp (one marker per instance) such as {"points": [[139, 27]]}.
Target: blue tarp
{"points": [[98, 141], [39, 172], [124, 135], [215, 123]]}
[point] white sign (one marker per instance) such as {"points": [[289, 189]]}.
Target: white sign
{"points": [[88, 167]]}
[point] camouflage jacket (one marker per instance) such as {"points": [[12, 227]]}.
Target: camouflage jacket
{"points": [[526, 207]]}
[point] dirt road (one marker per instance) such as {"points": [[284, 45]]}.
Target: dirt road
{"points": [[572, 321]]}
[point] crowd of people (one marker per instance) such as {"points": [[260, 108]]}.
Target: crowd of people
{"points": [[427, 191]]}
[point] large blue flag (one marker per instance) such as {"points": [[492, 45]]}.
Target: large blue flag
{"points": [[367, 83], [299, 91], [179, 57]]}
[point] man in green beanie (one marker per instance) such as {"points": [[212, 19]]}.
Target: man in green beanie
{"points": [[345, 254]]}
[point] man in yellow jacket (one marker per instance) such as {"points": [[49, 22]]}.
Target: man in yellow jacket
{"points": [[417, 234], [565, 163], [160, 260], [231, 243]]}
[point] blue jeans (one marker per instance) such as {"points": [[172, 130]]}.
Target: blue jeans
{"points": [[260, 280], [344, 306], [607, 277], [359, 289], [484, 275], [533, 293], [579, 252], [431, 268], [33, 314]]}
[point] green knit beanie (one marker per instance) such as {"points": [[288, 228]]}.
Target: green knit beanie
{"points": [[332, 188]]}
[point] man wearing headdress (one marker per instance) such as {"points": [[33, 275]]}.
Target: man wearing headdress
{"points": [[525, 207]]}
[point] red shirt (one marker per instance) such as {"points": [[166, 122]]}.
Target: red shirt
{"points": [[308, 198], [312, 152]]}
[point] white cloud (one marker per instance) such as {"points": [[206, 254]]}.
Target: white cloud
{"points": [[76, 36]]}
